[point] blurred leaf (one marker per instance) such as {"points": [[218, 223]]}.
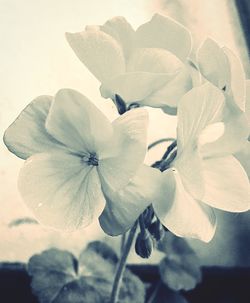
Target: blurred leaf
{"points": [[57, 277], [52, 270], [21, 221], [103, 250], [180, 269]]}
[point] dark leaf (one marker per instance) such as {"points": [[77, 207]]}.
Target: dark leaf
{"points": [[57, 277], [51, 271]]}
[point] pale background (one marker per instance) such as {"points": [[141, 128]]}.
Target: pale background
{"points": [[35, 59]]}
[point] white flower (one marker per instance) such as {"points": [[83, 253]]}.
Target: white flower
{"points": [[200, 179], [75, 157], [145, 66], [222, 67]]}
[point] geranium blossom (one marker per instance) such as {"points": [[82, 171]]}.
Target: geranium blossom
{"points": [[75, 157], [222, 67], [197, 180], [146, 66], [200, 179]]}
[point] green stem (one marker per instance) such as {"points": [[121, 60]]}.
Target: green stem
{"points": [[121, 265]]}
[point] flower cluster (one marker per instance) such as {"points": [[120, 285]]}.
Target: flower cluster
{"points": [[79, 166]]}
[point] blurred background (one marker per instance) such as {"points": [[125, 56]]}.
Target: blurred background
{"points": [[36, 59]]}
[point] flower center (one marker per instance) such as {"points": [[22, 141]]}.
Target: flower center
{"points": [[90, 159]]}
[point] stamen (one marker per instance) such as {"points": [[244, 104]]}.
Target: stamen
{"points": [[90, 159]]}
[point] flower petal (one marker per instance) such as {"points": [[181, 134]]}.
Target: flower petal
{"points": [[243, 156], [78, 123], [101, 53], [197, 109], [236, 131], [130, 141], [61, 190], [164, 32], [124, 207], [170, 94], [227, 185], [238, 79], [122, 32], [27, 135], [154, 60], [188, 163], [134, 86], [214, 64], [182, 214]]}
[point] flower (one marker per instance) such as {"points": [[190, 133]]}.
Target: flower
{"points": [[220, 66], [147, 66], [200, 179], [75, 158]]}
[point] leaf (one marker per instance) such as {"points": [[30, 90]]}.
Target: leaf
{"points": [[57, 277], [103, 250], [180, 269], [52, 270], [84, 290]]}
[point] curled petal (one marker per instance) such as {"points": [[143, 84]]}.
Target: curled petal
{"points": [[238, 79], [62, 191], [134, 86], [214, 64], [124, 207], [195, 74], [127, 151], [100, 52], [181, 213], [164, 32], [197, 109], [226, 184], [27, 135], [78, 123], [122, 32]]}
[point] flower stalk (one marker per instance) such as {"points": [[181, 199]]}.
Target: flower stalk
{"points": [[121, 266]]}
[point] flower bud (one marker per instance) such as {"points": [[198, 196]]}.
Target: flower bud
{"points": [[120, 104], [148, 216], [144, 244], [156, 230]]}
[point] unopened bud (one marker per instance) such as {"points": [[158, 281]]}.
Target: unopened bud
{"points": [[144, 245], [120, 104], [156, 230], [148, 216]]}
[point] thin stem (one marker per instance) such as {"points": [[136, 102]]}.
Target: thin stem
{"points": [[161, 163], [142, 225], [154, 293], [123, 241], [122, 264], [153, 144], [169, 149]]}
